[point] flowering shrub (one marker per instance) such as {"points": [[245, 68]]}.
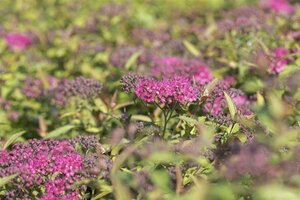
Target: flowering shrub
{"points": [[135, 99]]}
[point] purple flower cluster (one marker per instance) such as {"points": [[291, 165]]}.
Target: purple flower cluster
{"points": [[171, 66], [81, 87], [251, 159], [60, 90], [10, 112], [18, 41], [34, 87], [216, 103], [142, 34], [167, 91], [52, 164], [129, 81], [51, 167], [279, 61], [242, 23]]}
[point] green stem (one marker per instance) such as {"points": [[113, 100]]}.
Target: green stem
{"points": [[165, 124], [167, 117]]}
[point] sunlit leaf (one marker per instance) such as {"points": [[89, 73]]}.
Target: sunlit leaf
{"points": [[7, 179], [59, 131], [12, 139], [132, 60], [191, 48], [231, 106]]}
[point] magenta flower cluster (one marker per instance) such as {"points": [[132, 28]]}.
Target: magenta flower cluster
{"points": [[50, 164], [280, 6], [216, 104], [18, 41], [48, 167], [192, 68], [178, 89], [279, 60]]}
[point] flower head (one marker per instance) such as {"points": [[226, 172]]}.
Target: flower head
{"points": [[280, 6], [51, 164], [169, 90], [216, 104], [279, 61], [60, 90], [18, 41], [172, 66]]}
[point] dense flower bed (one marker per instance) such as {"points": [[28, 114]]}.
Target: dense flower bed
{"points": [[124, 100]]}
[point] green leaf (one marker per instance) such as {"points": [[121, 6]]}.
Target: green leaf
{"points": [[121, 105], [61, 130], [101, 105], [161, 179], [141, 118], [189, 120], [242, 137], [94, 130], [191, 48], [233, 128], [102, 194], [12, 139], [231, 106], [6, 179], [132, 60], [260, 99], [208, 88]]}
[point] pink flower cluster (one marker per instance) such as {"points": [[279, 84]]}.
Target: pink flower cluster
{"points": [[216, 103], [50, 163], [18, 41], [280, 6], [279, 61], [167, 91], [170, 66]]}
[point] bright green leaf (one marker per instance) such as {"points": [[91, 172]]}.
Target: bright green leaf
{"points": [[12, 139]]}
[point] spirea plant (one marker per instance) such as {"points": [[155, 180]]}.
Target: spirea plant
{"points": [[126, 100]]}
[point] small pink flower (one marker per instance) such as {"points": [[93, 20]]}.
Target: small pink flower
{"points": [[279, 61], [280, 6], [18, 41]]}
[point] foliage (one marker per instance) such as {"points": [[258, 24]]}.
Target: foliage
{"points": [[195, 99]]}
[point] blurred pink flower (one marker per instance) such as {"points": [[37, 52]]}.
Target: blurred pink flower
{"points": [[279, 62], [18, 41], [194, 69], [280, 6], [169, 90]]}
